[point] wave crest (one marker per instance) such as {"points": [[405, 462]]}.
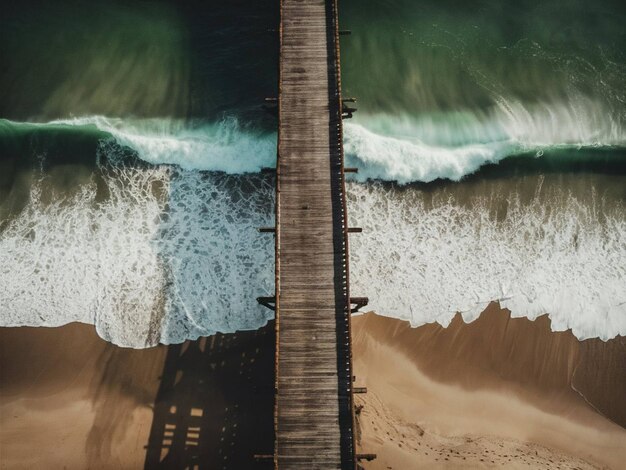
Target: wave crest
{"points": [[225, 145]]}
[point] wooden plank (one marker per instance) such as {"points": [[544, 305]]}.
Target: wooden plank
{"points": [[314, 408]]}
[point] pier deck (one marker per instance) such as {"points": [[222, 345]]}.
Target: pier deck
{"points": [[314, 417]]}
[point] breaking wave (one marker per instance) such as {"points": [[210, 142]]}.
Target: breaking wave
{"points": [[384, 147], [450, 146], [183, 228], [224, 145]]}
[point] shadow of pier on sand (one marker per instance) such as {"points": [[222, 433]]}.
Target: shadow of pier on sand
{"points": [[214, 408]]}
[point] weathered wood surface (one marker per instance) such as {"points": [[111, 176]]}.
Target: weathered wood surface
{"points": [[314, 409]]}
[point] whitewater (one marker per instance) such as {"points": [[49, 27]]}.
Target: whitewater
{"points": [[399, 148], [173, 252]]}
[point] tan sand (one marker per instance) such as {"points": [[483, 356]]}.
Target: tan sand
{"points": [[70, 400], [496, 392], [502, 390]]}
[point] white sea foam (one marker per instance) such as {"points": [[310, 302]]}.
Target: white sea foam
{"points": [[144, 266], [218, 146], [399, 148], [452, 145], [425, 263], [147, 265], [389, 158]]}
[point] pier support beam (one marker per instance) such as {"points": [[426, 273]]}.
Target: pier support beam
{"points": [[358, 302], [269, 302]]}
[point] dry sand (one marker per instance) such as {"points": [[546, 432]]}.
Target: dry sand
{"points": [[498, 392], [69, 400]]}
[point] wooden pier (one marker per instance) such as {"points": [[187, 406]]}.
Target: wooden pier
{"points": [[314, 410]]}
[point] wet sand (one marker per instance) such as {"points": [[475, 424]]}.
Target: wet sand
{"points": [[70, 400], [498, 392]]}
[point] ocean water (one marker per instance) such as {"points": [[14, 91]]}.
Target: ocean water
{"points": [[490, 143]]}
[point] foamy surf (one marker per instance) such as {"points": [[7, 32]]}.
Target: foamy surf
{"points": [[144, 266], [451, 146], [191, 244], [398, 148], [174, 254], [225, 145], [425, 261]]}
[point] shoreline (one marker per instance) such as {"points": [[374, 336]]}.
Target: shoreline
{"points": [[496, 387]]}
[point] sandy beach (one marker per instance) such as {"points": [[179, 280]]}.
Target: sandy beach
{"points": [[70, 400], [498, 392]]}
